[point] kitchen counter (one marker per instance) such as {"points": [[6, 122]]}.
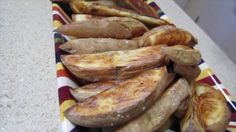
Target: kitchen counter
{"points": [[28, 91]]}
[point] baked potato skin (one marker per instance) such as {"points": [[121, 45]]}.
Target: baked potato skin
{"points": [[118, 105], [97, 45], [169, 35], [114, 64], [160, 111], [95, 9], [188, 72], [110, 27], [139, 6], [182, 55]]}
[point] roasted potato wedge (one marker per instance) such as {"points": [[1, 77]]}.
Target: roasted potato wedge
{"points": [[110, 27], [159, 113], [114, 64], [209, 111], [92, 89], [191, 122], [167, 34], [182, 109], [122, 103], [96, 45], [188, 72], [212, 108], [182, 55], [95, 9], [139, 6]]}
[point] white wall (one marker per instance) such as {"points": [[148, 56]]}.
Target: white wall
{"points": [[182, 3], [218, 19]]}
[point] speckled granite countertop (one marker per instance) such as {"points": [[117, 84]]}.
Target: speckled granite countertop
{"points": [[28, 94]]}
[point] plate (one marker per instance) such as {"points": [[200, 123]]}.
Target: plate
{"points": [[65, 80]]}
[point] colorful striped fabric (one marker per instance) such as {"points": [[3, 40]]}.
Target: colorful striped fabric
{"points": [[65, 80]]}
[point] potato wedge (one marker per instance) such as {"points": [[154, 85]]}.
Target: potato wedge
{"points": [[111, 27], [167, 34], [114, 64], [159, 113], [90, 8], [182, 55], [188, 72], [122, 103], [212, 108], [209, 111], [139, 6], [191, 122], [96, 45], [92, 89], [182, 109]]}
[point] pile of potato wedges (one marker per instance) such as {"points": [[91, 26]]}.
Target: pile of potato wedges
{"points": [[141, 71]]}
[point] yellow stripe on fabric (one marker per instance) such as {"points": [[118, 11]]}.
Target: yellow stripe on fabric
{"points": [[65, 105], [59, 66], [57, 24], [231, 129], [67, 17], [204, 73], [149, 1]]}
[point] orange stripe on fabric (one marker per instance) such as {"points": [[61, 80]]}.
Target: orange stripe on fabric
{"points": [[65, 105], [62, 73]]}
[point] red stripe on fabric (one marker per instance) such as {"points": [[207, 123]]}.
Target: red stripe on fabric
{"points": [[209, 80], [64, 94], [231, 126], [57, 17], [233, 116], [55, 8], [62, 73], [226, 91]]}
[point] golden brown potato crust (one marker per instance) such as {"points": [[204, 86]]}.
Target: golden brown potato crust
{"points": [[161, 111], [122, 103], [168, 34], [208, 110], [114, 64], [90, 8]]}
